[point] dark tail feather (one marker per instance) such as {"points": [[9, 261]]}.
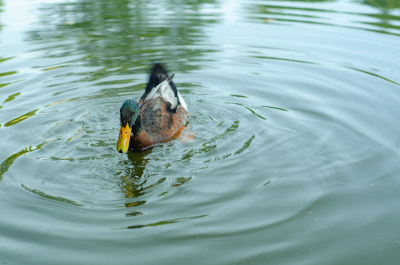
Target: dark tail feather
{"points": [[157, 75]]}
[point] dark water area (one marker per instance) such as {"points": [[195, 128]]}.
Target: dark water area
{"points": [[295, 156]]}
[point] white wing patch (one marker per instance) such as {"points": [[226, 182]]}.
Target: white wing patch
{"points": [[165, 91]]}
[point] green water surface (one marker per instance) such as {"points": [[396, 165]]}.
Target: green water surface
{"points": [[294, 109]]}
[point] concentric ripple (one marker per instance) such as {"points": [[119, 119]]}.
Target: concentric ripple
{"points": [[290, 156]]}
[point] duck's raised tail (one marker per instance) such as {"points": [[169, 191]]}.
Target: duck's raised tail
{"points": [[157, 75]]}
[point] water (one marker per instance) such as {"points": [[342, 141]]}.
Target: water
{"points": [[293, 109]]}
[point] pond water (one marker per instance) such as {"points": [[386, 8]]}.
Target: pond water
{"points": [[294, 106]]}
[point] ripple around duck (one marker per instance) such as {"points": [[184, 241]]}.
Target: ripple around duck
{"points": [[21, 118], [227, 130], [6, 164], [77, 131]]}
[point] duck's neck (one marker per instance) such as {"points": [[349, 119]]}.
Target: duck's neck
{"points": [[137, 127]]}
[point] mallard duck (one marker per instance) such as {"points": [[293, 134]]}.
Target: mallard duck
{"points": [[159, 116]]}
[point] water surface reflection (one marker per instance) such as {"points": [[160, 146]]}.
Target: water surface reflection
{"points": [[292, 105], [122, 37]]}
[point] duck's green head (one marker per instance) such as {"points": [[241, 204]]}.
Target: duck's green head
{"points": [[129, 113]]}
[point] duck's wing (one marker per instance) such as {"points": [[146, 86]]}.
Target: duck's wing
{"points": [[158, 119], [156, 116]]}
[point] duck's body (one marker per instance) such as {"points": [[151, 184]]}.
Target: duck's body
{"points": [[159, 116], [159, 124]]}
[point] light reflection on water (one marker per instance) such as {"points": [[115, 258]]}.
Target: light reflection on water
{"points": [[295, 149]]}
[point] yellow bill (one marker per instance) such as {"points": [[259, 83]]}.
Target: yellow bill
{"points": [[123, 139]]}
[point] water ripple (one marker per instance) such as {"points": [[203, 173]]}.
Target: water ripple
{"points": [[291, 132]]}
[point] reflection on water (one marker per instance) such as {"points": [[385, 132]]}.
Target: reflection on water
{"points": [[383, 21], [48, 196], [138, 163], [5, 165], [385, 5], [133, 180], [166, 222], [122, 37], [21, 118], [292, 106]]}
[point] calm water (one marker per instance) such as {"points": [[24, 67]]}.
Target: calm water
{"points": [[294, 110]]}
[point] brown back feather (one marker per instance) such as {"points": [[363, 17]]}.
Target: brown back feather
{"points": [[159, 122]]}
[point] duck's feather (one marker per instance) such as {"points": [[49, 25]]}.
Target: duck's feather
{"points": [[163, 112], [166, 92], [159, 123], [157, 75], [160, 85]]}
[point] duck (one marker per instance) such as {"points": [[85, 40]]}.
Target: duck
{"points": [[159, 116]]}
